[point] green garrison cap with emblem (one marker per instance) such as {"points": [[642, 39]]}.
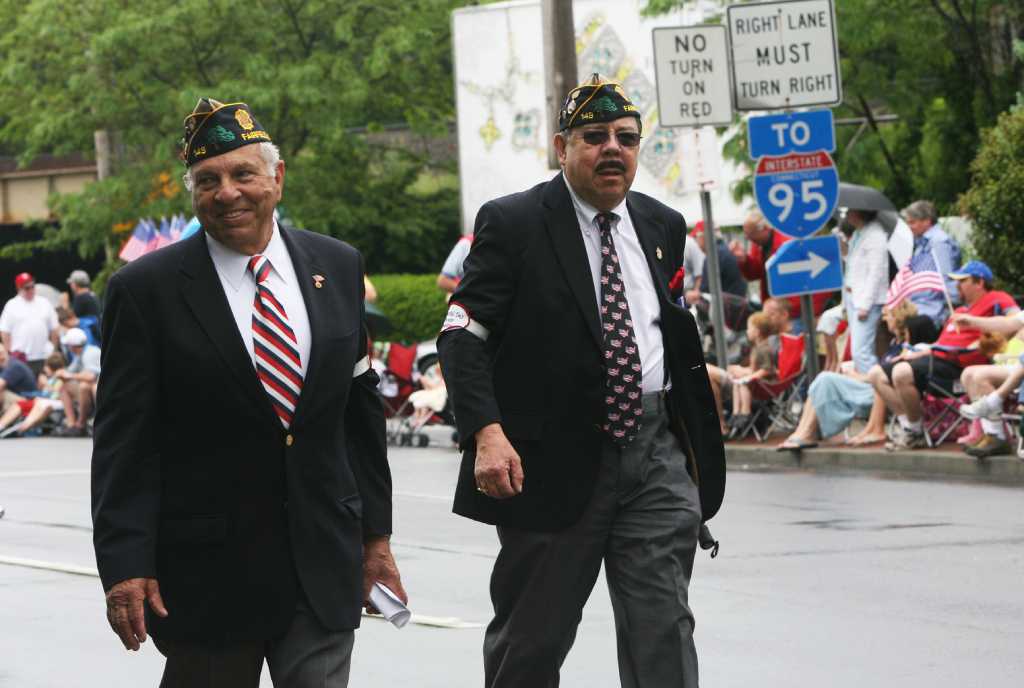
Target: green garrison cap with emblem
{"points": [[598, 100], [215, 128]]}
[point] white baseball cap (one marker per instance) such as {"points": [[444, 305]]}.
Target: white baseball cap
{"points": [[74, 337]]}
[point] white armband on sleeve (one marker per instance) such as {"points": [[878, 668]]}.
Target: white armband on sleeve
{"points": [[361, 366], [458, 318]]}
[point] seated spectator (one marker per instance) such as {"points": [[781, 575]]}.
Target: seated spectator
{"points": [[78, 392], [779, 311], [902, 383], [33, 411], [989, 386], [728, 269], [762, 366], [834, 400], [15, 375]]}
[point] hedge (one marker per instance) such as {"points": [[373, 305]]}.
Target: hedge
{"points": [[413, 304], [995, 201]]}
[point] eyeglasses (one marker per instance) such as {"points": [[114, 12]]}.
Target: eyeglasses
{"points": [[599, 137]]}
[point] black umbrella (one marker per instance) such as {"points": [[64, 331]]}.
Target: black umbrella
{"points": [[857, 197]]}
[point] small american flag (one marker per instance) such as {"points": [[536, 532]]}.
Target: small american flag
{"points": [[920, 273]]}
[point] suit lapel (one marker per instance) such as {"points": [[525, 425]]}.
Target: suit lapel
{"points": [[202, 290], [317, 307], [564, 229], [651, 234]]}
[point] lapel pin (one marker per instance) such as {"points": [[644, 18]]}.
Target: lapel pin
{"points": [[318, 281], [657, 252]]}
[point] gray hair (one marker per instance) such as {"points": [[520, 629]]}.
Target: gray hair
{"points": [[269, 152], [920, 210]]}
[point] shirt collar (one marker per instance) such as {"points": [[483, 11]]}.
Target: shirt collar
{"points": [[235, 265], [587, 211]]}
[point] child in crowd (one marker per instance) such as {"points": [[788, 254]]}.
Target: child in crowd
{"points": [[762, 366], [32, 411]]}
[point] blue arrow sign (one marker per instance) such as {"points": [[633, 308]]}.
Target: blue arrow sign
{"points": [[793, 132], [805, 266], [797, 192]]}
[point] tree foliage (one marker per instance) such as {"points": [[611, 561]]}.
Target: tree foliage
{"points": [[995, 201], [319, 74]]}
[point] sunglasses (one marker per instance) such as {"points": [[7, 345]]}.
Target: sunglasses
{"points": [[599, 137]]}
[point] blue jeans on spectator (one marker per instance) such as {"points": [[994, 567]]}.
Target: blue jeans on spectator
{"points": [[862, 337]]}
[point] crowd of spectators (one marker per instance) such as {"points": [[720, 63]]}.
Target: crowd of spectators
{"points": [[49, 359]]}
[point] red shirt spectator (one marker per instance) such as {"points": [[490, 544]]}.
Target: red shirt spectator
{"points": [[974, 276], [764, 242]]}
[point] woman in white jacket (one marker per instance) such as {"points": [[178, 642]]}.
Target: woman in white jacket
{"points": [[866, 283]]}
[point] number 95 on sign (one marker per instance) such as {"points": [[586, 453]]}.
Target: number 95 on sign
{"points": [[798, 192]]}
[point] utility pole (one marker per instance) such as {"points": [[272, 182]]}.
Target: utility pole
{"points": [[559, 63]]}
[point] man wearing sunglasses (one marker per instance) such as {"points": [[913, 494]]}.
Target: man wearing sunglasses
{"points": [[580, 392], [28, 325]]}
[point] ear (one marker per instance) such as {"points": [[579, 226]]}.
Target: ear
{"points": [[279, 178], [560, 142]]}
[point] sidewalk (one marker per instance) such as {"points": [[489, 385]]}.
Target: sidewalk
{"points": [[945, 462]]}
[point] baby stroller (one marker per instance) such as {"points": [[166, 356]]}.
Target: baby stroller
{"points": [[414, 393]]}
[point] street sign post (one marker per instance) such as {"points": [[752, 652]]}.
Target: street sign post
{"points": [[805, 266], [784, 54], [797, 192], [691, 71]]}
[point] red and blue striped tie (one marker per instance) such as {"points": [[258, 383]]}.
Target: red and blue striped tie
{"points": [[278, 365]]}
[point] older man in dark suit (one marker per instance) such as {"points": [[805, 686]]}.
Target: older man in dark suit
{"points": [[240, 482], [589, 430]]}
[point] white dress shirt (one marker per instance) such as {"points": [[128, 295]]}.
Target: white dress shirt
{"points": [[636, 277], [240, 288]]}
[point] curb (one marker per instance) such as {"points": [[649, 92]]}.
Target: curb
{"points": [[924, 463]]}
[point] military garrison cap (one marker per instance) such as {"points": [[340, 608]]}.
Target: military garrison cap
{"points": [[597, 100], [215, 128]]}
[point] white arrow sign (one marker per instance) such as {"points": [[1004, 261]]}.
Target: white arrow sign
{"points": [[814, 264]]}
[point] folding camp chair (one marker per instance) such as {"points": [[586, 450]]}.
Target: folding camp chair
{"points": [[774, 402], [941, 403]]}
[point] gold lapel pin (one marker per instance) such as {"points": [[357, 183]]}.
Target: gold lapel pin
{"points": [[318, 281], [657, 252]]}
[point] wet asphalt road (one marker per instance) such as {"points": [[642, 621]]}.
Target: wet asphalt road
{"points": [[823, 580]]}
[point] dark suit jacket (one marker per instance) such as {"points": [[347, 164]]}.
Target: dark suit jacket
{"points": [[194, 480], [541, 371]]}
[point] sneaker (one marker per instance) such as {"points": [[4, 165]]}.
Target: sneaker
{"points": [[990, 445], [982, 408], [906, 439]]}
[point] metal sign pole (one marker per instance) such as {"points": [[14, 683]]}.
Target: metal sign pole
{"points": [[810, 345], [715, 278]]}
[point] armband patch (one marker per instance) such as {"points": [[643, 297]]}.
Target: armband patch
{"points": [[456, 319]]}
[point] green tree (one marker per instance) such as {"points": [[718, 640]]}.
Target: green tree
{"points": [[995, 201], [319, 74]]}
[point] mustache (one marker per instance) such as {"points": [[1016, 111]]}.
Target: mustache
{"points": [[611, 165]]}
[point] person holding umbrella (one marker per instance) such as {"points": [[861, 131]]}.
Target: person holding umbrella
{"points": [[865, 284]]}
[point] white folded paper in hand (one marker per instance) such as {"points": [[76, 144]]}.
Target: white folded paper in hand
{"points": [[388, 604]]}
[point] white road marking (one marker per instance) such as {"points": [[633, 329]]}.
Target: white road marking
{"points": [[418, 619], [44, 474]]}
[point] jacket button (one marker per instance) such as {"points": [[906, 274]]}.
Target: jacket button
{"points": [[289, 440]]}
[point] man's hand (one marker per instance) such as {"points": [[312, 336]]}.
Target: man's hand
{"points": [[692, 296], [964, 319], [862, 315], [125, 612], [737, 250], [379, 567], [499, 470]]}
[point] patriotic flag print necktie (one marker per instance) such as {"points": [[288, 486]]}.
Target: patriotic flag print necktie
{"points": [[278, 365], [621, 355]]}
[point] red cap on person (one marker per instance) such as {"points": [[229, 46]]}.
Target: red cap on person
{"points": [[23, 279], [698, 228]]}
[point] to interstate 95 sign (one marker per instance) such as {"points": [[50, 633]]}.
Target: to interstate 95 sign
{"points": [[797, 192]]}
